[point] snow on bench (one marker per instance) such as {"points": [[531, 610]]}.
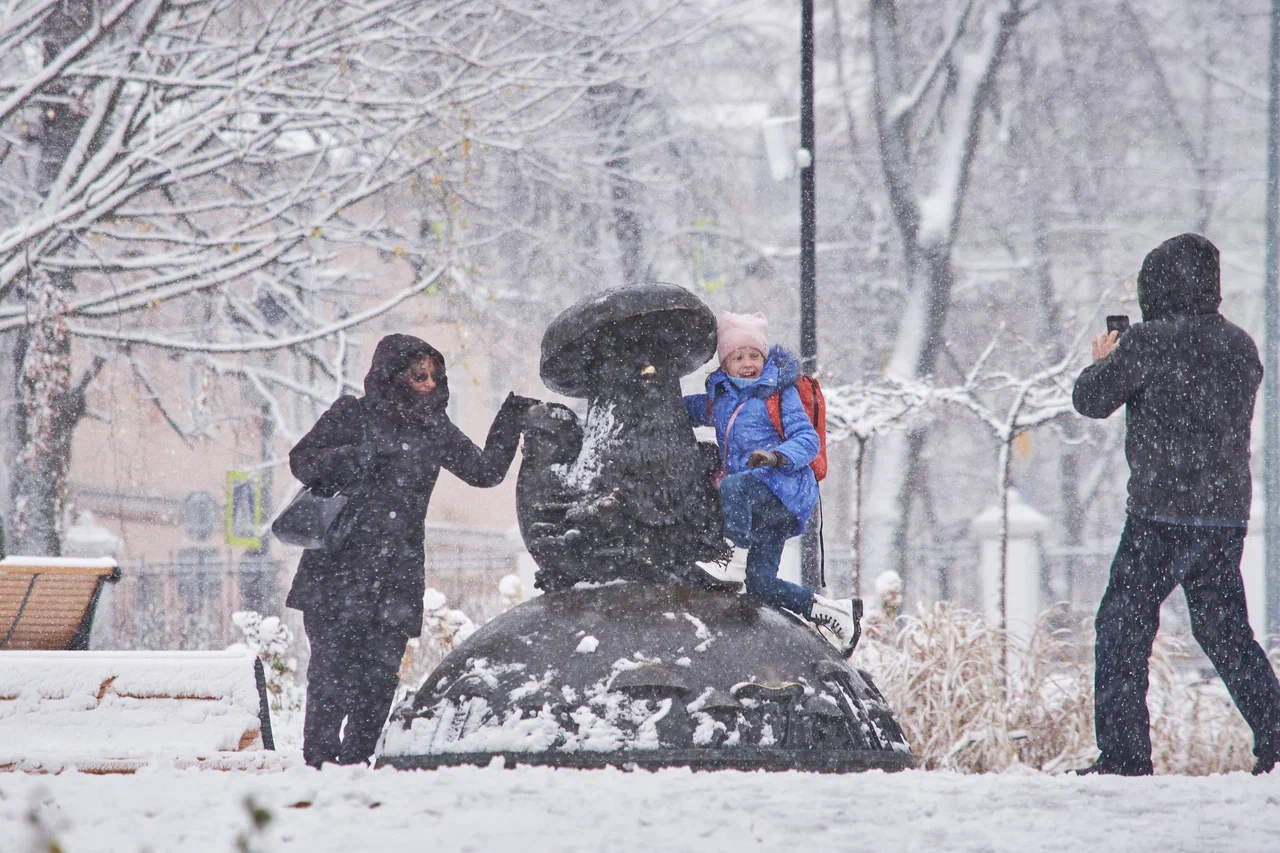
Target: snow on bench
{"points": [[114, 712], [49, 602]]}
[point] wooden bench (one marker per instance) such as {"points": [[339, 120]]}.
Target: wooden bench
{"points": [[48, 603], [116, 712]]}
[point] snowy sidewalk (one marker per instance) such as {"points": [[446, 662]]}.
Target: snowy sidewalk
{"points": [[528, 809]]}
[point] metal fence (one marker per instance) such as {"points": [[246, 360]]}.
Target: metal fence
{"points": [[466, 565], [186, 602], [184, 605], [1076, 573]]}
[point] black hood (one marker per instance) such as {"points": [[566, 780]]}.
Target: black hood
{"points": [[384, 387], [1180, 276]]}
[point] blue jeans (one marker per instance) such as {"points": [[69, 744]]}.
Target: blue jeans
{"points": [[755, 519]]}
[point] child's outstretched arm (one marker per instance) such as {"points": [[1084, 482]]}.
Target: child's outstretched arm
{"points": [[802, 444], [696, 406]]}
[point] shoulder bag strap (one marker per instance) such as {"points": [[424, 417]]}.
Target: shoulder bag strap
{"points": [[724, 451]]}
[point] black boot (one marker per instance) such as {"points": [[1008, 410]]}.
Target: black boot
{"points": [[1100, 768]]}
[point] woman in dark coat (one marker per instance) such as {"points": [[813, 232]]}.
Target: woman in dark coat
{"points": [[363, 601]]}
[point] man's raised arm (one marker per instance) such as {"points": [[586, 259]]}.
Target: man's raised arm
{"points": [[1115, 375]]}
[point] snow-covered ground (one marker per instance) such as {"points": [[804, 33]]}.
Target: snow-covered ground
{"points": [[528, 809]]}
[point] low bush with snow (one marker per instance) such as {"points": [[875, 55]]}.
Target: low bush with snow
{"points": [[972, 698]]}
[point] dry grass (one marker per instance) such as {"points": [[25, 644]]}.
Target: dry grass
{"points": [[944, 673]]}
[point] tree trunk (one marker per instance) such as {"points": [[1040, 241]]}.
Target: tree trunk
{"points": [[927, 202], [612, 116], [48, 406], [898, 456], [627, 227], [49, 409], [858, 464]]}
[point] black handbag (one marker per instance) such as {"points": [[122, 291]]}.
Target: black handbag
{"points": [[318, 522]]}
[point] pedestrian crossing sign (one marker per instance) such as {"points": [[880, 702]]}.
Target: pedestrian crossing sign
{"points": [[244, 509]]}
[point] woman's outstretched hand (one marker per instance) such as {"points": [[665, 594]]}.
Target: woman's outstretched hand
{"points": [[517, 407], [521, 403]]}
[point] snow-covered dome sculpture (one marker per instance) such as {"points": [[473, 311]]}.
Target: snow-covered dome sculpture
{"points": [[635, 655]]}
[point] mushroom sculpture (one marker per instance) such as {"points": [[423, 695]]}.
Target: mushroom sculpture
{"points": [[629, 494]]}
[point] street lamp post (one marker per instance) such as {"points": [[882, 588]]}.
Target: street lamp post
{"points": [[810, 560], [1271, 337]]}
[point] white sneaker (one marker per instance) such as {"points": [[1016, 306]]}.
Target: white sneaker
{"points": [[735, 572], [723, 574], [839, 619]]}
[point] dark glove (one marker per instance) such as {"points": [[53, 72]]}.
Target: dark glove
{"points": [[520, 404], [764, 459], [517, 407]]}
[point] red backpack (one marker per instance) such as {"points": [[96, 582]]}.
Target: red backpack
{"points": [[815, 406]]}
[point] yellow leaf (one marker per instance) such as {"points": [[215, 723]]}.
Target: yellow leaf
{"points": [[315, 232]]}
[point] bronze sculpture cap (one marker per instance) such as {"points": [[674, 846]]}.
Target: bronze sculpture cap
{"points": [[592, 327]]}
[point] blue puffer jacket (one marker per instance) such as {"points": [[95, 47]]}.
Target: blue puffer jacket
{"points": [[793, 482]]}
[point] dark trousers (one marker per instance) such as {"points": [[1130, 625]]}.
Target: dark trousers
{"points": [[755, 519], [352, 676], [1152, 559]]}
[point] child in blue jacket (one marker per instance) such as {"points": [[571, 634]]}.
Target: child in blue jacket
{"points": [[768, 490]]}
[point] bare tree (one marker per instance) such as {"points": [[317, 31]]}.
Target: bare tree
{"points": [[200, 178], [928, 124], [1008, 405]]}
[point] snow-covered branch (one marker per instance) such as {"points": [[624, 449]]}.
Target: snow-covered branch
{"points": [[211, 346], [861, 411]]}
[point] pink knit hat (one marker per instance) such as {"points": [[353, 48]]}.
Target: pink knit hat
{"points": [[741, 330]]}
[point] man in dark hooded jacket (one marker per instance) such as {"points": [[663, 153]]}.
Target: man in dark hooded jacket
{"points": [[363, 601], [1188, 379]]}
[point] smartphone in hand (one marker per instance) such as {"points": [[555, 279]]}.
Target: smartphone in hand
{"points": [[1118, 323]]}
